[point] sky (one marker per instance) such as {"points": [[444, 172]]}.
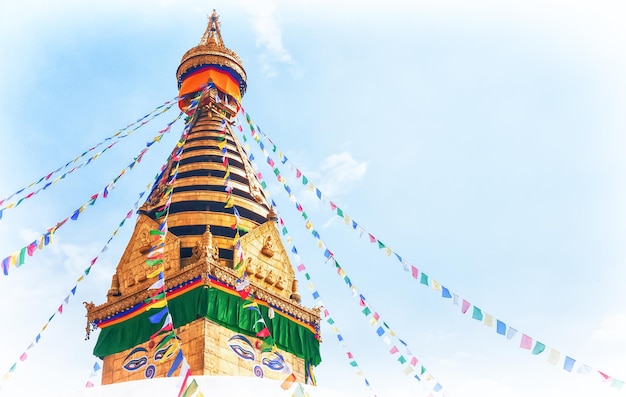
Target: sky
{"points": [[482, 143]]}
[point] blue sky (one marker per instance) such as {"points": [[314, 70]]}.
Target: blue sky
{"points": [[483, 144]]}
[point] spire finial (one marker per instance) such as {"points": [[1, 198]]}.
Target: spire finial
{"points": [[212, 32]]}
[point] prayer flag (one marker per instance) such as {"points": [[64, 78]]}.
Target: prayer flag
{"points": [[466, 305], [568, 364], [539, 348], [553, 357], [288, 382], [477, 314], [511, 333], [526, 342], [500, 327]]}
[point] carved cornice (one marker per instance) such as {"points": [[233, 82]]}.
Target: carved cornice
{"points": [[109, 309], [202, 268]]}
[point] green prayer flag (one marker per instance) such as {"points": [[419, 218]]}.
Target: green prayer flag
{"points": [[367, 311], [166, 339], [276, 171], [330, 321], [304, 180], [264, 185], [477, 314], [267, 345], [284, 230], [339, 212], [191, 389], [423, 370], [380, 244], [156, 232], [22, 257], [402, 359], [307, 276], [539, 348], [424, 279], [152, 262]]}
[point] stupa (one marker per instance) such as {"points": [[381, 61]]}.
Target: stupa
{"points": [[219, 253]]}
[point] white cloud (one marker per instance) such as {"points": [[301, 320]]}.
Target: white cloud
{"points": [[269, 38], [339, 172]]}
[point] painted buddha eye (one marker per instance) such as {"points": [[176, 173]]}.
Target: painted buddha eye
{"points": [[160, 354], [135, 359], [241, 352], [238, 344], [135, 364], [274, 364]]}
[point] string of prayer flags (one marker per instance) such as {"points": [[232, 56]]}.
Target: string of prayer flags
{"points": [[95, 371], [157, 294], [326, 314], [525, 342], [327, 253], [18, 257], [48, 177], [66, 300]]}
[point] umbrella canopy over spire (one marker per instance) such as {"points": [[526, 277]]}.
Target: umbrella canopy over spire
{"points": [[211, 61]]}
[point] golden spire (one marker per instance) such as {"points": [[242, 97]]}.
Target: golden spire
{"points": [[212, 31]]}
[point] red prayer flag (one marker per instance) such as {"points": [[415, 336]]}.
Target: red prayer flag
{"points": [[264, 333]]}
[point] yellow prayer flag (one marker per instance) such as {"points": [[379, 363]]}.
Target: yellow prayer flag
{"points": [[320, 244], [157, 305], [554, 357], [169, 351], [155, 272], [311, 187], [346, 219], [11, 205], [387, 251], [373, 321], [6, 376], [435, 285], [408, 370], [81, 278], [488, 319]]}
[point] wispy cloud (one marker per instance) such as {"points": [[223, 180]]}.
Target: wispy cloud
{"points": [[269, 39], [339, 172]]}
